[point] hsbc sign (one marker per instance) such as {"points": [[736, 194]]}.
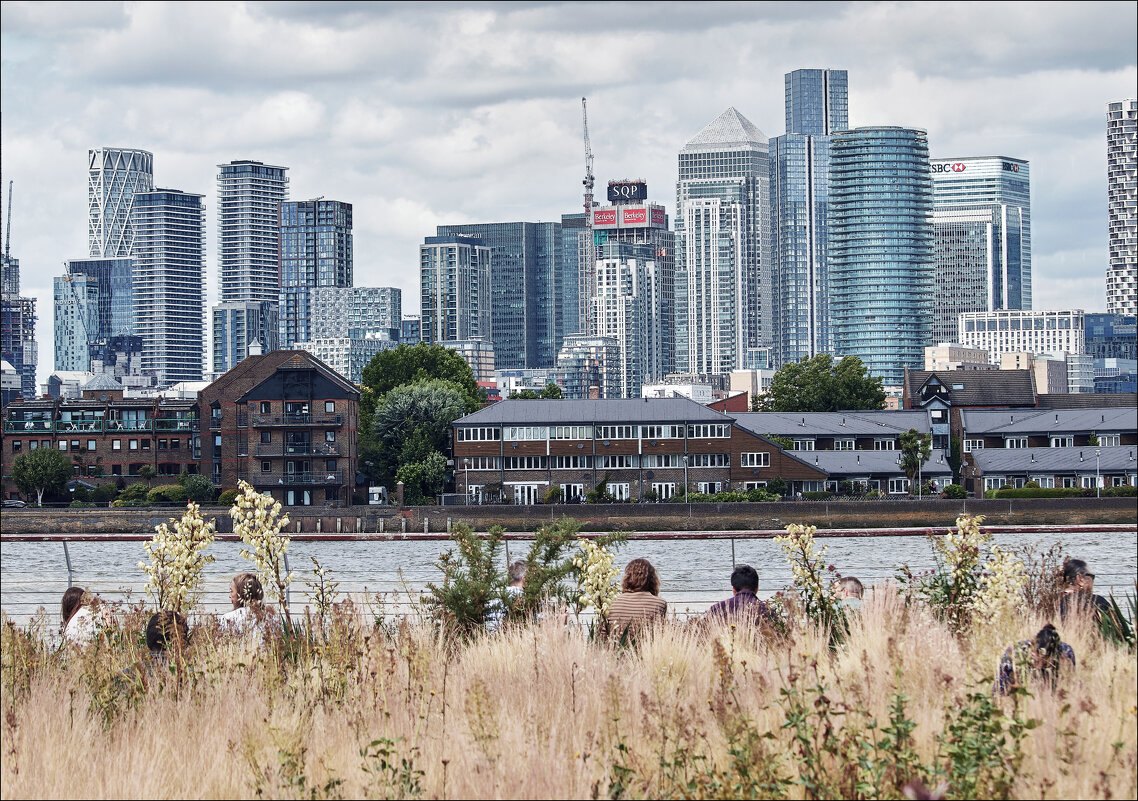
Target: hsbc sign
{"points": [[1009, 167], [946, 166]]}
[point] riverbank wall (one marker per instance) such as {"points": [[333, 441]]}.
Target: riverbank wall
{"points": [[388, 520]]}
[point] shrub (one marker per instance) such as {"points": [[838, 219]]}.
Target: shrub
{"points": [[954, 492], [818, 496], [1120, 492], [167, 494], [1028, 492], [227, 497], [777, 486], [133, 494], [553, 495], [199, 489], [105, 493], [1031, 485], [649, 496]]}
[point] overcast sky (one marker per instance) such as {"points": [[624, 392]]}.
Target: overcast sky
{"points": [[422, 115]]}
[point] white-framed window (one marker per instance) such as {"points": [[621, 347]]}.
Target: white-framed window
{"points": [[973, 445], [1109, 440], [63, 444], [1045, 482], [488, 434], [525, 433], [616, 461], [803, 444], [709, 460], [1015, 442], [709, 487], [1118, 481], [750, 485], [1069, 482], [617, 490], [1088, 482], [662, 460], [474, 493], [1062, 442], [329, 406], [571, 432], [526, 494], [572, 492], [525, 462], [481, 463], [898, 486], [938, 415], [133, 444], [330, 436], [661, 432], [709, 431], [577, 461], [844, 444], [754, 460], [616, 432], [885, 444], [664, 489]]}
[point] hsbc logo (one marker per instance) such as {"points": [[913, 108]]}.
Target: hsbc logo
{"points": [[954, 167], [1008, 167], [958, 167]]}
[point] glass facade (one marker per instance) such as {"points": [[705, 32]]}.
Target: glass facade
{"points": [[315, 250], [115, 176], [816, 106], [454, 289], [93, 302], [1122, 206], [524, 262], [627, 306], [237, 325], [722, 291], [881, 248], [17, 328], [574, 251], [249, 195], [1111, 336]]}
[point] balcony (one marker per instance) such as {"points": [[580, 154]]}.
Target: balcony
{"points": [[68, 426], [318, 479], [311, 449], [26, 426], [186, 424], [130, 425], [297, 420]]}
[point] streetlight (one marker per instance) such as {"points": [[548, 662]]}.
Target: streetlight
{"points": [[466, 477], [1098, 479], [685, 477]]}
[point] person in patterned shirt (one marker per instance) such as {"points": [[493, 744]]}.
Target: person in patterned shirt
{"points": [[1040, 658]]}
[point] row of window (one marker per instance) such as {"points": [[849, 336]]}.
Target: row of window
{"points": [[1064, 441], [612, 461], [93, 444], [650, 432], [1057, 482]]}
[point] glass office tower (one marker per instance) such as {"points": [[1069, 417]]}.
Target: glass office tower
{"points": [[982, 224], [114, 176], [94, 302], [524, 260], [454, 289], [881, 248], [315, 250], [722, 227], [816, 106]]}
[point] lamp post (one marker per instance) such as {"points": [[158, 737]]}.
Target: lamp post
{"points": [[466, 477], [685, 477], [1098, 479]]}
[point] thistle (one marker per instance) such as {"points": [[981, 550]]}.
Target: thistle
{"points": [[177, 560]]}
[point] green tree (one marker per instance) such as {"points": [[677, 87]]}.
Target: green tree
{"points": [[199, 488], [39, 471], [412, 430], [550, 392], [819, 385], [916, 448], [147, 473], [955, 458]]}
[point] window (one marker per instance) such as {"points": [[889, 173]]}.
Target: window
{"points": [[1015, 442], [266, 407], [74, 444], [1088, 482], [33, 445], [844, 445], [616, 432], [162, 445], [937, 415], [63, 444], [617, 491], [709, 487], [615, 461], [885, 444], [266, 437], [1109, 440], [661, 432], [710, 431], [664, 489], [116, 444], [571, 432], [803, 444], [662, 460], [709, 460], [330, 465], [572, 492], [995, 482], [750, 485], [523, 433], [330, 406], [1045, 482], [266, 466], [329, 436], [754, 460], [116, 470], [17, 445], [575, 462], [175, 444], [898, 486], [481, 463], [479, 434], [146, 444], [525, 462], [973, 445], [1062, 442], [91, 444]]}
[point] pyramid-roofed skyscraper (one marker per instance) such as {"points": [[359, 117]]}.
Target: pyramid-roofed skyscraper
{"points": [[722, 246]]}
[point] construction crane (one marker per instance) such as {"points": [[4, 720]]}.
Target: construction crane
{"points": [[589, 179], [8, 229]]}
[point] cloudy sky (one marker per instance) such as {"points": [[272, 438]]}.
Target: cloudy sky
{"points": [[449, 113]]}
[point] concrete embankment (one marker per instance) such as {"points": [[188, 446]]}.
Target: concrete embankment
{"points": [[605, 517]]}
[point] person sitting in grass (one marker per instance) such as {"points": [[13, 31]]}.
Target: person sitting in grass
{"points": [[249, 611], [743, 606], [82, 616], [850, 592], [1039, 658], [1079, 590], [639, 603], [496, 613]]}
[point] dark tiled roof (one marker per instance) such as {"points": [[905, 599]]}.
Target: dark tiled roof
{"points": [[1046, 421], [585, 412], [826, 424], [1006, 388], [1084, 400], [252, 370], [865, 463], [1055, 460]]}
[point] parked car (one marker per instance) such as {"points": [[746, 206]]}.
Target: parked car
{"points": [[12, 504]]}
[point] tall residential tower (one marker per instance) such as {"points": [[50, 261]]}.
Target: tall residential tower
{"points": [[316, 250], [1122, 194], [114, 176]]}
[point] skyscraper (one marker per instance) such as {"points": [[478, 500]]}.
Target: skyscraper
{"points": [[574, 249], [524, 259], [982, 225], [94, 302], [169, 283], [249, 195], [1122, 195], [722, 246], [315, 250], [628, 303], [241, 328], [881, 248], [816, 106], [114, 176], [18, 344], [454, 289]]}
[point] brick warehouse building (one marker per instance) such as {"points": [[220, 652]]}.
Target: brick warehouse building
{"points": [[522, 448], [107, 438], [286, 423]]}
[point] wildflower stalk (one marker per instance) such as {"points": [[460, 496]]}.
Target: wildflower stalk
{"points": [[258, 522], [817, 592], [597, 587], [178, 560]]}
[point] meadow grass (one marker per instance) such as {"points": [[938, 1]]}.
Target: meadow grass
{"points": [[539, 710]]}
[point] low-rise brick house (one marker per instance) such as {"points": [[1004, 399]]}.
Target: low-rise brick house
{"points": [[108, 438], [1051, 468], [944, 394], [1049, 428], [286, 423], [638, 447]]}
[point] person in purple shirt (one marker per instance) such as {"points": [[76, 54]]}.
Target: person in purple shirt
{"points": [[743, 606]]}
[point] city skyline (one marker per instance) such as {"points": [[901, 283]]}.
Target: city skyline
{"points": [[486, 126]]}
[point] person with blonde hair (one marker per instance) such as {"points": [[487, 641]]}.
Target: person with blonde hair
{"points": [[639, 603], [248, 599]]}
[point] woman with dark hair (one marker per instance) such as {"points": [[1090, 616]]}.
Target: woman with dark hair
{"points": [[79, 625], [1079, 590], [639, 602], [1037, 658]]}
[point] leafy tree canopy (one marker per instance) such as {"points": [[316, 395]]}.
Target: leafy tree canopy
{"points": [[550, 392], [410, 364], [39, 471], [916, 448], [411, 430], [820, 385]]}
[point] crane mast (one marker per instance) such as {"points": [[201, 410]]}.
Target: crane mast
{"points": [[8, 229], [589, 179]]}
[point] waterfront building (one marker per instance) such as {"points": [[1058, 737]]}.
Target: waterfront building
{"points": [[18, 345], [524, 261], [168, 283], [1050, 468], [951, 356], [410, 330], [1110, 336], [881, 248], [982, 225], [1018, 331], [1046, 427], [816, 106], [93, 303], [945, 394], [722, 226], [115, 176], [315, 251], [287, 424], [249, 195], [454, 289], [1122, 197], [628, 307]]}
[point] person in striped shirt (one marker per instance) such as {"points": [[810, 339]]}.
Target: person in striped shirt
{"points": [[639, 603]]}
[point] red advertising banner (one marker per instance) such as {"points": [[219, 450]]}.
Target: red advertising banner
{"points": [[604, 217], [634, 216], [659, 217]]}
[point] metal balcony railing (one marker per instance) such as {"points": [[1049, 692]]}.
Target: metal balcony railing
{"points": [[69, 426], [278, 479], [295, 420], [130, 425], [329, 449], [184, 424], [26, 426]]}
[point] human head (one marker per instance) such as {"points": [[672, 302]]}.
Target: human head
{"points": [[72, 600], [1045, 656], [640, 576], [850, 587], [517, 571], [166, 629], [1076, 575], [745, 577], [245, 591]]}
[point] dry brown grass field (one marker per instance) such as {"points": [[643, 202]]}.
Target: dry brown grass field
{"points": [[539, 710]]}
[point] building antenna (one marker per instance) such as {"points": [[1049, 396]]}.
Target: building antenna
{"points": [[589, 179], [8, 228]]}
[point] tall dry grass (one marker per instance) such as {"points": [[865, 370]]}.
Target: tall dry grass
{"points": [[540, 711]]}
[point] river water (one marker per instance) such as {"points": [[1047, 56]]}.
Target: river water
{"points": [[693, 574]]}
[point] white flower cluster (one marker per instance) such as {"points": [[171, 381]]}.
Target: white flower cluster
{"points": [[819, 597], [598, 587], [1000, 592], [960, 552], [258, 522], [177, 560]]}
